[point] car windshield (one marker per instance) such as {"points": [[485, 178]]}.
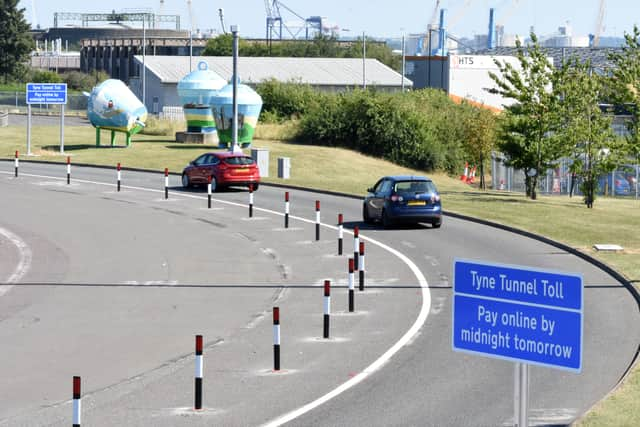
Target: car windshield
{"points": [[240, 160], [414, 187]]}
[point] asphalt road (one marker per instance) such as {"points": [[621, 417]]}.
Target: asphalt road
{"points": [[114, 286]]}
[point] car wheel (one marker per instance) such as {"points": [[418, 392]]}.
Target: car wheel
{"points": [[436, 224], [186, 182], [365, 214], [255, 186], [386, 221]]}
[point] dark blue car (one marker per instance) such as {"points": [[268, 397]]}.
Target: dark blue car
{"points": [[406, 199]]}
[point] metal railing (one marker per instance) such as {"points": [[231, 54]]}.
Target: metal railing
{"points": [[622, 182], [13, 101]]}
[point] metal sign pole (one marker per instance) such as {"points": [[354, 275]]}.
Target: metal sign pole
{"points": [[61, 128], [28, 129], [521, 395]]}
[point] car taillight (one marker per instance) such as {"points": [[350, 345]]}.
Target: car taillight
{"points": [[396, 198]]}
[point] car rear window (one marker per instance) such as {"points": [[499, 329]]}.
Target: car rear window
{"points": [[415, 187], [240, 160]]}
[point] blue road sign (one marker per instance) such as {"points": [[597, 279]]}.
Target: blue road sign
{"points": [[46, 93], [518, 313]]}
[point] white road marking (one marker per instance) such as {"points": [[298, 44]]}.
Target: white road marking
{"points": [[373, 367], [24, 263]]}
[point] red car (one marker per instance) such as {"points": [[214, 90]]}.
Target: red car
{"points": [[225, 169]]}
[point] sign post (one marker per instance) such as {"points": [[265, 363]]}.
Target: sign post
{"points": [[46, 93], [521, 314]]}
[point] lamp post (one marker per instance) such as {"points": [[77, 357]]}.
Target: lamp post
{"points": [[364, 58], [403, 63], [234, 122], [144, 69]]}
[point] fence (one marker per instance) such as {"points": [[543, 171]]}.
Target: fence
{"points": [[623, 182], [172, 113], [18, 101]]}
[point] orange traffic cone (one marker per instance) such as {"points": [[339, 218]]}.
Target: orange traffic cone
{"points": [[472, 176], [465, 174]]}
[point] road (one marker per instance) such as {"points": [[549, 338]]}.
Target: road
{"points": [[113, 286]]}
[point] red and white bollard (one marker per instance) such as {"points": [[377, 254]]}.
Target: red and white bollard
{"points": [[118, 168], [286, 209], [16, 163], [327, 308], [250, 200], [276, 338], [199, 369], [351, 293], [356, 246], [77, 403], [340, 234], [68, 170], [166, 183], [361, 267], [209, 192], [317, 220]]}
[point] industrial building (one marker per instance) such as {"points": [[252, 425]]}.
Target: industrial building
{"points": [[329, 74]]}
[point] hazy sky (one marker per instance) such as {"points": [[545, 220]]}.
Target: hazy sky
{"points": [[380, 18]]}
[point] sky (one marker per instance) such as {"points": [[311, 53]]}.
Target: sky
{"points": [[378, 18]]}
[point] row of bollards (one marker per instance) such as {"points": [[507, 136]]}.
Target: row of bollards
{"points": [[356, 263]]}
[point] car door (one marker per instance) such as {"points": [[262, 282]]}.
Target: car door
{"points": [[376, 201], [207, 166]]}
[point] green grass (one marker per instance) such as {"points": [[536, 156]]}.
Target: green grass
{"points": [[557, 217]]}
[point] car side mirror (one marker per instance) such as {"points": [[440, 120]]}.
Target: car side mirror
{"points": [[369, 190], [192, 162]]}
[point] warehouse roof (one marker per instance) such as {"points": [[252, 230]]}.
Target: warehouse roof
{"points": [[252, 70]]}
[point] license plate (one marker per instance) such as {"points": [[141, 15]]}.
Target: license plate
{"points": [[416, 203], [242, 170]]}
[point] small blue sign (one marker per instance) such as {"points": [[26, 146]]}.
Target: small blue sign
{"points": [[518, 313], [46, 93]]}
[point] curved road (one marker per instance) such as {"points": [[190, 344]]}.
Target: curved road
{"points": [[113, 286]]}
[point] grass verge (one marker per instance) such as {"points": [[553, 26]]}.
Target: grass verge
{"points": [[559, 218]]}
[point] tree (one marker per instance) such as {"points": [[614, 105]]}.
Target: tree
{"points": [[527, 135], [480, 130], [624, 86], [586, 128], [15, 41]]}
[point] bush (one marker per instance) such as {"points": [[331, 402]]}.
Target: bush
{"points": [[156, 126], [43, 76], [422, 129], [77, 80]]}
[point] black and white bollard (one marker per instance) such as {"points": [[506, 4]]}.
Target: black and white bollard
{"points": [[16, 163], [340, 234], [250, 200], [356, 246], [286, 209], [166, 183], [351, 293], [327, 308], [77, 403], [317, 220], [199, 369], [119, 175], [276, 338], [68, 170], [361, 267], [209, 192]]}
